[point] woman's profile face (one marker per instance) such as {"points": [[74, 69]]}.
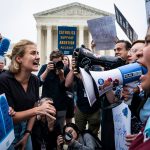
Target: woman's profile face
{"points": [[72, 131], [145, 79]]}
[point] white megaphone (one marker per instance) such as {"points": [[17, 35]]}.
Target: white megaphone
{"points": [[106, 80]]}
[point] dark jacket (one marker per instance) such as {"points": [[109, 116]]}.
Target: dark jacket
{"points": [[53, 88]]}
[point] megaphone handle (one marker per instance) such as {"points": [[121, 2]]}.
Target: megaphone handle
{"points": [[76, 67]]}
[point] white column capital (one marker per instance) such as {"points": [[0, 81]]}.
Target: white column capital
{"points": [[81, 26], [48, 27], [38, 26]]}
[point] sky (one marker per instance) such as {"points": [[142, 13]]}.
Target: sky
{"points": [[17, 21]]}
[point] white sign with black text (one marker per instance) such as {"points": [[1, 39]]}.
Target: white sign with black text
{"points": [[103, 31]]}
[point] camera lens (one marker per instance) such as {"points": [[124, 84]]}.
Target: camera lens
{"points": [[68, 137], [59, 65]]}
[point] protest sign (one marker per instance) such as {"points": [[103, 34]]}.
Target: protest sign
{"points": [[6, 125], [67, 39], [125, 26], [103, 32], [122, 125]]}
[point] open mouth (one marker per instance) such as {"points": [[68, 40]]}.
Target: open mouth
{"points": [[36, 63], [117, 55]]}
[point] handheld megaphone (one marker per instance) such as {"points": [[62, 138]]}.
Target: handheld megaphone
{"points": [[4, 45], [107, 80], [86, 58]]}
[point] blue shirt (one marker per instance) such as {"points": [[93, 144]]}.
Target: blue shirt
{"points": [[145, 111]]}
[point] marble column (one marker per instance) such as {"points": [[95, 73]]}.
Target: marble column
{"points": [[49, 42], [81, 35], [39, 43], [90, 40]]}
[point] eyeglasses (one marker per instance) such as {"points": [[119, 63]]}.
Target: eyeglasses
{"points": [[132, 51]]}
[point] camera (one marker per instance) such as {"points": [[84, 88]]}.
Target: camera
{"points": [[68, 136], [58, 65]]}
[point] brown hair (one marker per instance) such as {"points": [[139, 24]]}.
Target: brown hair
{"points": [[138, 41], [127, 44], [147, 38], [68, 59], [56, 54], [18, 50]]}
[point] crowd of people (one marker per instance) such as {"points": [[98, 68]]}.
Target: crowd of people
{"points": [[45, 121]]}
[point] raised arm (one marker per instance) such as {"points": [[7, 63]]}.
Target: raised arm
{"points": [[45, 69]]}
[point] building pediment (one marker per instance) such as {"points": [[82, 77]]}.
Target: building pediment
{"points": [[73, 9]]}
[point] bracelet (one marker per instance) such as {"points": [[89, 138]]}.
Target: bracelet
{"points": [[28, 131]]}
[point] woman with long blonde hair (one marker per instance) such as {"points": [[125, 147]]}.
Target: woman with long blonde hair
{"points": [[21, 88]]}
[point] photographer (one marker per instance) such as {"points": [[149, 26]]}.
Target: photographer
{"points": [[84, 114], [70, 98], [52, 79], [75, 139]]}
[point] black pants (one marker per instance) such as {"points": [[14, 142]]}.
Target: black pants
{"points": [[42, 136], [107, 128]]}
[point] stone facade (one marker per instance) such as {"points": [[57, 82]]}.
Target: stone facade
{"points": [[74, 14]]}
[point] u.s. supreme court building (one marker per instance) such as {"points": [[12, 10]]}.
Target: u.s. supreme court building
{"points": [[73, 15]]}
